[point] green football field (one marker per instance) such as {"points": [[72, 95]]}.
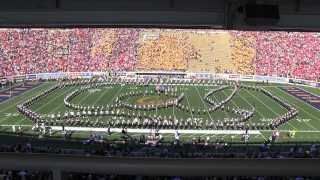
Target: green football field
{"points": [[306, 124]]}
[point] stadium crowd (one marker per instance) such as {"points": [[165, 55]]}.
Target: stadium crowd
{"points": [[283, 54], [28, 51], [138, 146]]}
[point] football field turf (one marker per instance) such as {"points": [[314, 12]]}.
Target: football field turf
{"points": [[306, 124]]}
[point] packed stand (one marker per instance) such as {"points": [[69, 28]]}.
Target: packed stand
{"points": [[276, 53], [29, 51], [166, 51], [284, 54], [140, 146]]}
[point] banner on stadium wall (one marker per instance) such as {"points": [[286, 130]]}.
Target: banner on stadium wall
{"points": [[60, 75], [3, 80], [296, 81], [222, 76], [215, 76], [234, 76], [304, 82], [247, 77], [76, 75], [100, 73], [51, 75], [86, 75], [189, 75], [130, 74], [31, 77], [260, 78], [203, 75], [73, 75], [19, 78], [277, 79], [271, 79]]}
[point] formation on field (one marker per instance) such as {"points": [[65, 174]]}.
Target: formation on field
{"points": [[169, 104], [190, 106]]}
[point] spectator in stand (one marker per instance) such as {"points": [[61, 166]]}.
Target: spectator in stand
{"points": [[284, 54]]}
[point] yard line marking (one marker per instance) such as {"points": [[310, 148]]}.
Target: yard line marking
{"points": [[263, 136], [145, 88], [117, 93], [62, 94], [301, 131], [106, 90], [174, 116], [203, 103], [24, 118], [225, 113], [275, 113], [231, 100], [252, 95], [296, 105], [244, 99], [13, 98], [52, 99], [189, 106], [301, 101], [9, 125], [161, 131]]}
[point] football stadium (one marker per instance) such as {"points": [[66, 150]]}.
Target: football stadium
{"points": [[160, 85]]}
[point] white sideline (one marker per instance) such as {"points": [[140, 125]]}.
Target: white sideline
{"points": [[165, 130], [161, 131]]}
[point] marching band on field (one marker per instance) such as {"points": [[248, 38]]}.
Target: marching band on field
{"points": [[122, 114]]}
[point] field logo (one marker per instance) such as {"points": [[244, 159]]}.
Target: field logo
{"points": [[152, 100]]}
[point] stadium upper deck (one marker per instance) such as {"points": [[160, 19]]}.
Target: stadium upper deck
{"points": [[285, 54]]}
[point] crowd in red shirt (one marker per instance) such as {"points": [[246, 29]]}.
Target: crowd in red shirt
{"points": [[28, 51], [286, 54]]}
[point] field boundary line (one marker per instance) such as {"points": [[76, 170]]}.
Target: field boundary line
{"points": [[300, 100], [204, 104], [29, 90], [277, 114], [224, 112], [161, 131], [4, 109], [18, 121], [297, 105], [189, 106]]}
